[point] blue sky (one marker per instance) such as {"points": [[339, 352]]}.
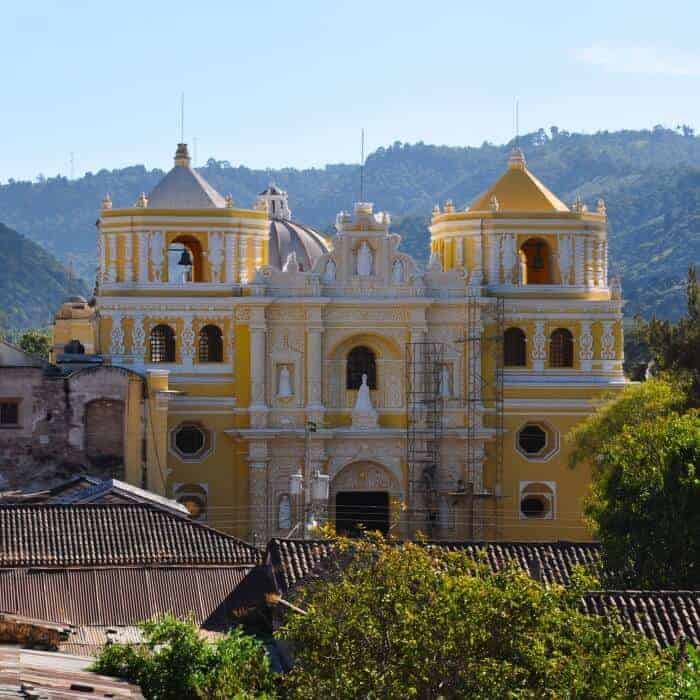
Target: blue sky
{"points": [[271, 83]]}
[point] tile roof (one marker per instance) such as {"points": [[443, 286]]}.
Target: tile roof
{"points": [[664, 616], [28, 673], [88, 596], [294, 560], [38, 535]]}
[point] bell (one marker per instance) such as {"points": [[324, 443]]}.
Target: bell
{"points": [[185, 258], [538, 261]]}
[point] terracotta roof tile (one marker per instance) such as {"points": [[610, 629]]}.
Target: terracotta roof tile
{"points": [[39, 535]]}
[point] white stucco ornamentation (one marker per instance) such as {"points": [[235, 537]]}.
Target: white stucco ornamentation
{"points": [[509, 258], [157, 256], [607, 341], [112, 258], [187, 341], [216, 255], [586, 346], [539, 346], [579, 262], [116, 338], [128, 257], [565, 257], [138, 338]]}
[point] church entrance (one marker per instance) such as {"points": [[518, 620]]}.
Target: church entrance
{"points": [[367, 508]]}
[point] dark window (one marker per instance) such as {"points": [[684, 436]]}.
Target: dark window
{"points": [[75, 347], [534, 507], [361, 361], [561, 348], [211, 347], [9, 413], [358, 511], [514, 353], [189, 439], [162, 344], [532, 439]]}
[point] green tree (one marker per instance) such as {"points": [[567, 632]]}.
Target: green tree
{"points": [[634, 405], [675, 347], [644, 502], [175, 663], [36, 341], [412, 621]]}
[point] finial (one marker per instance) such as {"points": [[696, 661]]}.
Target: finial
{"points": [[493, 203], [436, 210], [601, 209], [434, 264], [182, 155], [578, 206], [615, 288], [516, 160], [449, 207], [107, 201], [142, 201], [260, 204], [229, 201]]}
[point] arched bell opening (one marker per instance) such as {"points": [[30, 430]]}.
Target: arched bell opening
{"points": [[185, 260], [536, 261]]}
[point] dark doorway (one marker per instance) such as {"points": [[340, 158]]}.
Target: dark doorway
{"points": [[367, 508]]}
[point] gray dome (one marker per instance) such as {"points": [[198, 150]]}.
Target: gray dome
{"points": [[287, 236]]}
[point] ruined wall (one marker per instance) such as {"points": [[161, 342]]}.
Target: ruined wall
{"points": [[67, 426]]}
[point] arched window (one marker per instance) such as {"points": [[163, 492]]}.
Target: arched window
{"points": [[361, 361], [211, 347], [162, 344], [514, 352], [535, 260], [561, 348]]}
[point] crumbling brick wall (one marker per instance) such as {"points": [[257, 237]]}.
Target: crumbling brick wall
{"points": [[50, 443]]}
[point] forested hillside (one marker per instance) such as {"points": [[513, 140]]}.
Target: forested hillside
{"points": [[650, 180], [33, 283]]}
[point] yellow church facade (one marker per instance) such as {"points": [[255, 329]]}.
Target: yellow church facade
{"points": [[292, 378]]}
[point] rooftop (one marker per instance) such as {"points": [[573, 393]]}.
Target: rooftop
{"points": [[112, 534]]}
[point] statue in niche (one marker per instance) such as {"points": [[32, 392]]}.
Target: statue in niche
{"points": [[284, 383], [445, 392], [284, 513], [397, 272], [329, 272], [364, 260], [364, 415]]}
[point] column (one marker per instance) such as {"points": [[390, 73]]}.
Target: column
{"points": [[599, 263], [258, 491], [588, 265], [112, 258], [116, 338], [242, 259], [138, 339], [101, 258], [314, 374], [258, 358], [143, 258], [605, 263], [579, 251], [495, 259], [128, 257], [229, 258]]}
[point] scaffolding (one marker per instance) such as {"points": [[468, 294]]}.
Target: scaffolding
{"points": [[424, 424], [484, 394]]}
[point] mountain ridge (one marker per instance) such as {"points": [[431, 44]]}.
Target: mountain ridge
{"points": [[649, 179]]}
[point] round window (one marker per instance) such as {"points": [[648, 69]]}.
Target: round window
{"points": [[189, 439], [532, 439], [534, 507]]}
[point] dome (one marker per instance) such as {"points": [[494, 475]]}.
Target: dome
{"points": [[289, 236]]}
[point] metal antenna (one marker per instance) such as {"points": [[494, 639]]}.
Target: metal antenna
{"points": [[182, 118], [362, 168]]}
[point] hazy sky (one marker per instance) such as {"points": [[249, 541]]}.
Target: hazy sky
{"points": [[274, 83]]}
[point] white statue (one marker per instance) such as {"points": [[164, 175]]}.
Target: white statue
{"points": [[364, 260], [364, 415], [292, 264], [397, 272], [284, 384], [445, 392], [329, 272]]}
